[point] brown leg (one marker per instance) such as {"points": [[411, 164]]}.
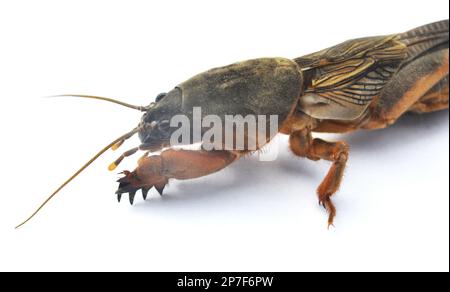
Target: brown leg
{"points": [[436, 99], [155, 171], [302, 144], [412, 83]]}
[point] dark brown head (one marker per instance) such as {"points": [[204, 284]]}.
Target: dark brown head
{"points": [[154, 128]]}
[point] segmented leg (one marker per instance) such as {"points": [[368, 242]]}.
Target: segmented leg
{"points": [[302, 144], [155, 171], [408, 87], [436, 99]]}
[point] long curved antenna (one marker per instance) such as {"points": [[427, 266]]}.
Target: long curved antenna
{"points": [[121, 138], [136, 107]]}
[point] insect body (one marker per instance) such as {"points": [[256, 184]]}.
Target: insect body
{"points": [[364, 83]]}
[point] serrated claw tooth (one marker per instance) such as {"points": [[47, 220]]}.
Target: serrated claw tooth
{"points": [[145, 192], [119, 197], [132, 195], [160, 189]]}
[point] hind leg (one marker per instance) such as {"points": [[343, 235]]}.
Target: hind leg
{"points": [[155, 171], [408, 87], [302, 144], [436, 99]]}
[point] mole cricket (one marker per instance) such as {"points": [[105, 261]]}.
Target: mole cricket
{"points": [[361, 84]]}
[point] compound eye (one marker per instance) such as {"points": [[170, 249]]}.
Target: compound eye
{"points": [[160, 96]]}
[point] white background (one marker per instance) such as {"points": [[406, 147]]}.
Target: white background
{"points": [[393, 208]]}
